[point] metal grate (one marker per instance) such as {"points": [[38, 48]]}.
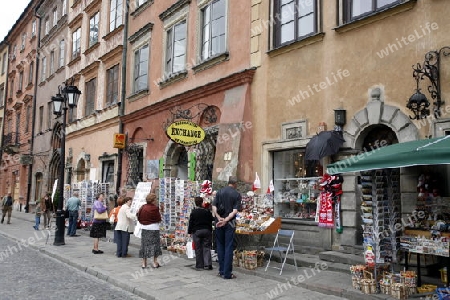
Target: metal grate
{"points": [[135, 167], [206, 151]]}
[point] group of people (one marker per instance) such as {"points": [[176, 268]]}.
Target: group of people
{"points": [[225, 206]]}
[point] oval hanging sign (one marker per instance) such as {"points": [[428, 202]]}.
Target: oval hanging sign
{"points": [[185, 133]]}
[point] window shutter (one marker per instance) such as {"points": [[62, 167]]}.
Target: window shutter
{"points": [[161, 167], [192, 164]]}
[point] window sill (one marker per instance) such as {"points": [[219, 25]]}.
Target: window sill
{"points": [[138, 95], [211, 62], [60, 69], [29, 86], [51, 77], [318, 37], [112, 33], [19, 93], [75, 60], [91, 48], [42, 83], [33, 37], [141, 8], [172, 79], [376, 16]]}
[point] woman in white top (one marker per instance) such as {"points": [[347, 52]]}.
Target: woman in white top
{"points": [[124, 227]]}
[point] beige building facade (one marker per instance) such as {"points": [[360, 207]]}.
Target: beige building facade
{"points": [[315, 57], [3, 88]]}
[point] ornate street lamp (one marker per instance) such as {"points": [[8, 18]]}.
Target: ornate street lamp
{"points": [[65, 98]]}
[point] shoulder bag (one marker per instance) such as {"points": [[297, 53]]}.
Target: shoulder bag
{"points": [[100, 216]]}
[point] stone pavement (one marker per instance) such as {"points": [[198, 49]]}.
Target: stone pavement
{"points": [[177, 277]]}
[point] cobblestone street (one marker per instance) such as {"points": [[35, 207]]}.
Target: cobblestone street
{"points": [[29, 274]]}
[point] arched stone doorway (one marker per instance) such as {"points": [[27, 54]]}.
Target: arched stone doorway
{"points": [[176, 162]]}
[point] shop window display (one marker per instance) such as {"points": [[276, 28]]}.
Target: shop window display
{"points": [[296, 185]]}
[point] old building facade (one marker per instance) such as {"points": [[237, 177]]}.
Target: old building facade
{"points": [[3, 89], [188, 60], [314, 57], [17, 134]]}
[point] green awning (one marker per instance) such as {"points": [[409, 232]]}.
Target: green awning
{"points": [[434, 151]]}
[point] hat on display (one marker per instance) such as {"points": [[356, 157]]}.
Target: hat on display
{"points": [[326, 179], [206, 187]]}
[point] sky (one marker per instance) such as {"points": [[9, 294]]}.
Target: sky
{"points": [[9, 13]]}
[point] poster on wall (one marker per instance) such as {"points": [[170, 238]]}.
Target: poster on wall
{"points": [[153, 169], [142, 190]]}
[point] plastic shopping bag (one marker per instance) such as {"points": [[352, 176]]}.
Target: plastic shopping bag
{"points": [[190, 250], [138, 230]]}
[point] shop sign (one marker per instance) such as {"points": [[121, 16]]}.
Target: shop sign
{"points": [[119, 140], [185, 133]]}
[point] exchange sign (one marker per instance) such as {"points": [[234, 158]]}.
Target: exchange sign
{"points": [[185, 133]]}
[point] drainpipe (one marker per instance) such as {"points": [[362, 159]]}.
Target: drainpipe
{"points": [[33, 122], [122, 92]]}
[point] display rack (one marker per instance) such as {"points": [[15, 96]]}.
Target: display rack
{"points": [[296, 197], [87, 190]]}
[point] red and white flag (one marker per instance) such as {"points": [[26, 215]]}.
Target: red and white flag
{"points": [[271, 188], [256, 183]]}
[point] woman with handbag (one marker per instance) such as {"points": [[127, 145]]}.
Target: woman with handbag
{"points": [[149, 216], [124, 227], [98, 229]]}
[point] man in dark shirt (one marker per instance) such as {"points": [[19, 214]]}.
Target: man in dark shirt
{"points": [[225, 207], [200, 226]]}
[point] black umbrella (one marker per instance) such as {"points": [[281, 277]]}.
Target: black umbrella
{"points": [[324, 144]]}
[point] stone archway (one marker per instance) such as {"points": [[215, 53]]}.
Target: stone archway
{"points": [[376, 112], [174, 155]]}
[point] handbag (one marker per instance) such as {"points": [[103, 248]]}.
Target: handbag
{"points": [[100, 216]]}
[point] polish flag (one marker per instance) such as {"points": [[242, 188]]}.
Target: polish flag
{"points": [[271, 188], [256, 183]]}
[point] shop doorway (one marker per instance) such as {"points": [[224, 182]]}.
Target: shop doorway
{"points": [[372, 138], [177, 162]]}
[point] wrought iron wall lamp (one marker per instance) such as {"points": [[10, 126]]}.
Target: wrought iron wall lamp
{"points": [[418, 102]]}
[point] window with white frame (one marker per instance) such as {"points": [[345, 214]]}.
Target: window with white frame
{"points": [[20, 87], [141, 57], [55, 17], [356, 9], [115, 15], [62, 53], [76, 43], [33, 28], [213, 26], [140, 2], [176, 48], [52, 62], [4, 62], [47, 26], [93, 29], [64, 8], [108, 171], [112, 85], [44, 69], [11, 90], [2, 96], [294, 20], [28, 120], [90, 97]]}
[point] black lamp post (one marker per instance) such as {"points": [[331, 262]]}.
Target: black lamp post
{"points": [[65, 98]]}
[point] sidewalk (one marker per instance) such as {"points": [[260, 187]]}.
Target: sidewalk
{"points": [[177, 278]]}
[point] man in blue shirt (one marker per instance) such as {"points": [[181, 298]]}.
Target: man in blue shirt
{"points": [[225, 207], [73, 206]]}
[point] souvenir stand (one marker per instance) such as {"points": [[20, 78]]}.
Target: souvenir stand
{"points": [[87, 190], [176, 202]]}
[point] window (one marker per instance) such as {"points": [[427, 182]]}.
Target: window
{"points": [[49, 114], [355, 9], [115, 16], [52, 62], [2, 96], [90, 97], [11, 90], [28, 120], [30, 73], [62, 55], [213, 29], [33, 28], [140, 2], [294, 20], [47, 26], [41, 118], [108, 171], [64, 8], [55, 17], [93, 29], [44, 69], [20, 87], [176, 48], [13, 54], [140, 69], [24, 38], [112, 85], [4, 61], [76, 43], [17, 127]]}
